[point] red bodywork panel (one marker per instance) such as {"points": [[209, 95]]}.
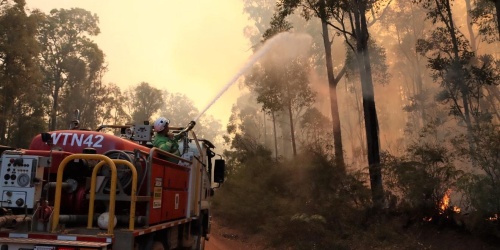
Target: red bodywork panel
{"points": [[174, 204], [176, 177], [67, 142], [75, 141], [169, 186]]}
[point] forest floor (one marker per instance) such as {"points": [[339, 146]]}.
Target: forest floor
{"points": [[223, 237], [427, 237]]}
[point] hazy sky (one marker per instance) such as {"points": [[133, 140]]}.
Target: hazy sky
{"points": [[190, 47]]}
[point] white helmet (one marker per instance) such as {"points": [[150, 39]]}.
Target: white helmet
{"points": [[161, 123]]}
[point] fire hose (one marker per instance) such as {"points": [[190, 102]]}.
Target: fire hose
{"points": [[13, 220]]}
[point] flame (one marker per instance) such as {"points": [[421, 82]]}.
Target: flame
{"points": [[494, 218], [445, 202]]}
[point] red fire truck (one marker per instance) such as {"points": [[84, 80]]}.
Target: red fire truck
{"points": [[104, 189]]}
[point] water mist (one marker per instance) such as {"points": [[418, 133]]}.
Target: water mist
{"points": [[286, 45]]}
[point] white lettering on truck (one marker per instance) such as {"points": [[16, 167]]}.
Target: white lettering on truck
{"points": [[73, 139]]}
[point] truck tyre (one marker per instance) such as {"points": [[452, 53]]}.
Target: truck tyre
{"points": [[198, 238], [157, 245]]}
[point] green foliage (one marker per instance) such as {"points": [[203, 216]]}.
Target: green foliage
{"points": [[260, 12], [314, 126], [314, 233], [178, 108], [463, 75], [253, 192], [419, 180], [246, 121], [278, 24], [378, 62], [114, 110], [145, 100], [21, 106], [482, 186], [275, 198], [282, 84], [483, 14], [69, 59]]}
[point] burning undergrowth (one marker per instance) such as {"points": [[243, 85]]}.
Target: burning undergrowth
{"points": [[310, 203], [427, 186]]}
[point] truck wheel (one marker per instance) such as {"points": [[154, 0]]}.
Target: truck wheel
{"points": [[157, 245], [199, 242], [198, 238]]}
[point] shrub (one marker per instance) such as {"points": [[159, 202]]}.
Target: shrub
{"points": [[419, 180]]}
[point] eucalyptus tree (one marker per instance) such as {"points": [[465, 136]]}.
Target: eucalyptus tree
{"points": [[314, 126], [271, 107], [85, 90], [349, 19], [178, 108], [462, 75], [404, 25], [144, 101], [481, 14], [286, 8], [21, 112], [283, 87], [244, 133], [64, 35], [260, 12], [486, 13], [113, 111], [247, 106], [210, 128]]}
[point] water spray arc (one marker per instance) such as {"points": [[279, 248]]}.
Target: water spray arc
{"points": [[251, 61]]}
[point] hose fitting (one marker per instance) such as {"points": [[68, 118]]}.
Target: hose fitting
{"points": [[190, 126]]}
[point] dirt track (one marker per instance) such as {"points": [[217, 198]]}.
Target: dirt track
{"points": [[222, 238]]}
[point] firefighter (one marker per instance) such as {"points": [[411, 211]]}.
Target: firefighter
{"points": [[166, 140]]}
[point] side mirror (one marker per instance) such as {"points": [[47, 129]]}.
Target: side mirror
{"points": [[219, 171]]}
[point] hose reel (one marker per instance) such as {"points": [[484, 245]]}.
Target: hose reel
{"points": [[124, 174]]}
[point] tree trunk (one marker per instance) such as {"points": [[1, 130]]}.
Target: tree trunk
{"points": [[275, 137], [456, 66], [290, 115], [4, 116], [285, 136], [265, 128], [493, 97], [497, 8], [53, 114], [472, 38], [370, 112], [292, 131], [359, 116], [418, 81], [332, 84]]}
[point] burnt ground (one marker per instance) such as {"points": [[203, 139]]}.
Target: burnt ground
{"points": [[427, 237], [456, 239], [225, 238]]}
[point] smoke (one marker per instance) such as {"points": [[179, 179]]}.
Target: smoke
{"points": [[287, 46]]}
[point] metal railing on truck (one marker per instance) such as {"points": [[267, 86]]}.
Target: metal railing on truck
{"points": [[112, 195]]}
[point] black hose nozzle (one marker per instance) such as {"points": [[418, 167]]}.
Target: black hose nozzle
{"points": [[190, 126]]}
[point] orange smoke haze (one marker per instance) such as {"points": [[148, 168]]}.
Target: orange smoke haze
{"points": [[187, 47]]}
